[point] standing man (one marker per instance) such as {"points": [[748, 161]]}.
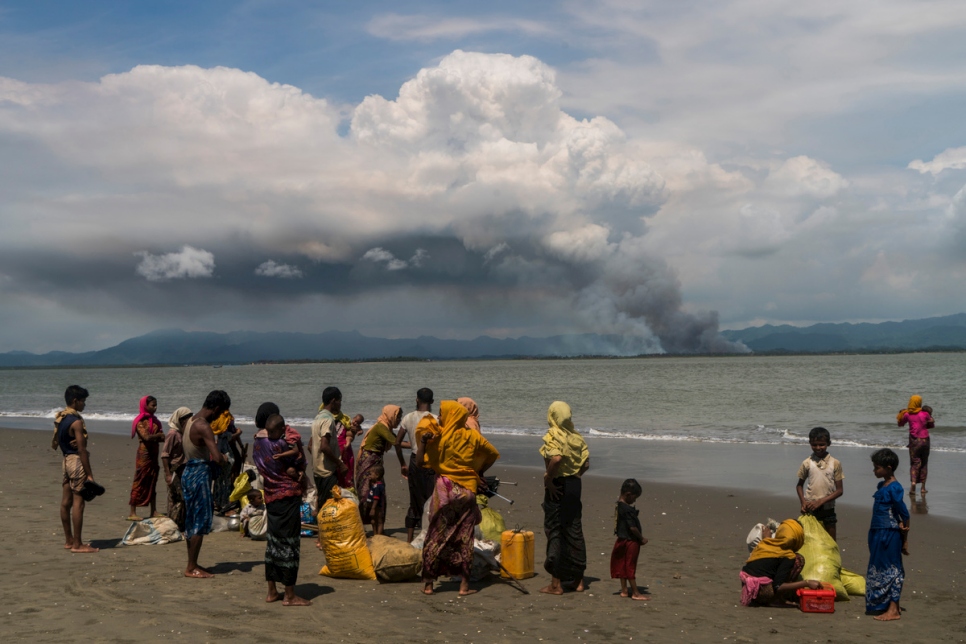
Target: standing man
{"points": [[422, 480], [173, 460], [201, 453], [326, 461], [70, 435]]}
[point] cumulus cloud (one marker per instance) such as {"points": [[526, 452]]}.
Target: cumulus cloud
{"points": [[802, 176], [949, 159], [271, 268], [189, 262], [381, 255]]}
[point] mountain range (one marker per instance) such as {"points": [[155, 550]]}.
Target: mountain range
{"points": [[174, 346]]}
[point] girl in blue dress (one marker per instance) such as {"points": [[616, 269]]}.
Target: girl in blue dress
{"points": [[887, 540]]}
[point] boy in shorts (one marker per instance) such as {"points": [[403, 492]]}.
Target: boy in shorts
{"points": [[820, 480], [70, 436]]}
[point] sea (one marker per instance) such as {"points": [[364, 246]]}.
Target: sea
{"points": [[732, 421]]}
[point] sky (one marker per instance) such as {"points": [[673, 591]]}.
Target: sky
{"points": [[651, 169]]}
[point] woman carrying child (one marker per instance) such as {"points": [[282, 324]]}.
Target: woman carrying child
{"points": [[768, 577], [377, 442], [459, 456], [566, 457], [284, 482], [147, 468], [920, 422]]}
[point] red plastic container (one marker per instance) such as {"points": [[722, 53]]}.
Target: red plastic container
{"points": [[817, 601]]}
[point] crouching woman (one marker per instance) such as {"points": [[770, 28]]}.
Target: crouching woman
{"points": [[769, 576]]}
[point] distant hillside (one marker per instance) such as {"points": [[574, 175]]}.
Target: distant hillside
{"points": [[947, 332]]}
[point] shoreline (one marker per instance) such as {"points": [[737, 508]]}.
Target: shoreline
{"points": [[691, 566]]}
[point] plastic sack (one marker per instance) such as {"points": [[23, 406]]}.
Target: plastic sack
{"points": [[420, 538], [854, 583], [343, 539], [155, 531], [243, 486], [394, 560], [258, 527], [823, 561], [492, 526]]}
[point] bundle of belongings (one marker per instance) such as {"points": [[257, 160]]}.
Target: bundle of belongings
{"points": [[343, 538], [823, 561], [155, 531], [486, 539]]}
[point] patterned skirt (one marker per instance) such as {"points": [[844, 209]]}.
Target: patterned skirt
{"points": [[363, 470], [566, 550], [453, 513], [196, 490], [883, 583], [146, 474], [918, 459], [282, 551]]}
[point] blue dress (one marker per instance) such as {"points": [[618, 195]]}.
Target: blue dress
{"points": [[883, 583]]}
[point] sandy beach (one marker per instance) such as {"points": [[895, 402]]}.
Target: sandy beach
{"points": [[690, 566]]}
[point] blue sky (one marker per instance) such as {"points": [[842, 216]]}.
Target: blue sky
{"points": [[517, 168]]}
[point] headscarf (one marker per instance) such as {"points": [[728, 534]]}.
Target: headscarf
{"points": [[473, 420], [221, 424], [454, 452], [915, 406], [175, 421], [145, 414], [60, 416], [390, 416], [563, 440], [787, 541]]}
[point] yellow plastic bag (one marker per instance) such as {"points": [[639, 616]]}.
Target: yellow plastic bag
{"points": [[854, 583], [395, 560], [823, 561], [243, 485], [492, 526], [344, 540]]}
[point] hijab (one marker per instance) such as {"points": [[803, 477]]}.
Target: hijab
{"points": [[788, 539], [915, 406], [175, 421], [473, 420], [145, 414], [390, 416], [562, 439]]}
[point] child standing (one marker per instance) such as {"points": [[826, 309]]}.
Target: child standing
{"points": [[377, 498], [623, 560], [820, 481], [887, 540]]}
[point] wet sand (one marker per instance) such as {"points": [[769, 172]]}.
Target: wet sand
{"points": [[690, 566]]}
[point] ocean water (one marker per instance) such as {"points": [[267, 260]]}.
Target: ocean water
{"points": [[668, 415]]}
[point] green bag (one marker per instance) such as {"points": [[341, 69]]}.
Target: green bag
{"points": [[492, 526], [854, 583], [823, 561]]}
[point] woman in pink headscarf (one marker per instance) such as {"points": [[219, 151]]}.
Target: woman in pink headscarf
{"points": [[377, 441], [473, 420], [147, 428]]}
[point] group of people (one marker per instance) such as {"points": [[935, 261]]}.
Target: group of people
{"points": [[449, 457], [770, 574]]}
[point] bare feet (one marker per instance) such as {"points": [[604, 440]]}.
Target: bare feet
{"points": [[912, 491], [273, 596], [68, 546], [552, 590], [428, 589], [641, 598], [624, 593], [296, 601], [133, 517], [580, 586], [198, 573], [924, 490], [888, 616], [468, 591], [84, 549]]}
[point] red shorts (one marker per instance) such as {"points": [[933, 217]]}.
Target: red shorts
{"points": [[623, 560]]}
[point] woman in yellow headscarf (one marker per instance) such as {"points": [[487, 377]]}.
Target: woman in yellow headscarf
{"points": [[566, 457], [920, 421], [769, 576], [459, 456], [378, 439]]}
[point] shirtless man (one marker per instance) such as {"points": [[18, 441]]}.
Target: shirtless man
{"points": [[201, 451], [421, 480], [71, 437]]}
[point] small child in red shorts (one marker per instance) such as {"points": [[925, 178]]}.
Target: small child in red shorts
{"points": [[623, 560]]}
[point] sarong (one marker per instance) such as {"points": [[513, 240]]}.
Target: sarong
{"points": [[422, 480], [623, 559], [566, 550], [74, 473], [176, 500], [760, 591], [363, 471], [196, 488], [284, 540], [883, 583], [453, 513], [918, 459], [146, 471]]}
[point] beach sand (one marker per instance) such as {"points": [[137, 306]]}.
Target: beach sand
{"points": [[691, 566]]}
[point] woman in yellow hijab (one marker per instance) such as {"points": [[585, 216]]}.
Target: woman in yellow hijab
{"points": [[459, 456], [566, 458], [769, 576], [919, 418]]}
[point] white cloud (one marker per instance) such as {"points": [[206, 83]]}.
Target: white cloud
{"points": [[381, 255], [949, 159], [189, 262], [283, 271], [424, 28], [802, 176]]}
